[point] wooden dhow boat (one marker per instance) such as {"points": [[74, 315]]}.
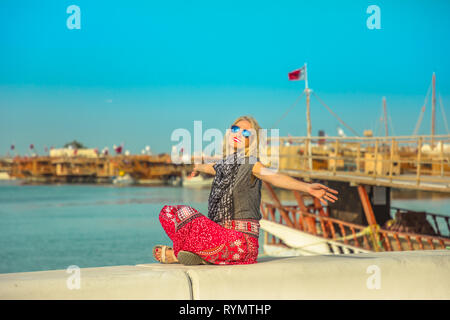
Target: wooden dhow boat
{"points": [[363, 170]]}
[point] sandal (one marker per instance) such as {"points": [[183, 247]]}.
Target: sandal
{"points": [[163, 253], [188, 258]]}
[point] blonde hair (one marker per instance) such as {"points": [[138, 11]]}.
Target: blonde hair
{"points": [[253, 148]]}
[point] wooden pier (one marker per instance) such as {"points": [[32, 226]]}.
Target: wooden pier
{"points": [[101, 169]]}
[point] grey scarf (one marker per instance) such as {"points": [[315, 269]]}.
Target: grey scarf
{"points": [[220, 202]]}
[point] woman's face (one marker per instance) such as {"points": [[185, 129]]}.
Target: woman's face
{"points": [[237, 140]]}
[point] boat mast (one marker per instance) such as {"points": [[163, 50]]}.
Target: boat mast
{"points": [[308, 118], [433, 109], [385, 117]]}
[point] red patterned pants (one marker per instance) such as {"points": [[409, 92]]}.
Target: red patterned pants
{"points": [[192, 231]]}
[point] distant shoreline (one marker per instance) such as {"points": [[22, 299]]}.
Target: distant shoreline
{"points": [[396, 194]]}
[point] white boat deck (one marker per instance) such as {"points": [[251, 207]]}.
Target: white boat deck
{"points": [[441, 184]]}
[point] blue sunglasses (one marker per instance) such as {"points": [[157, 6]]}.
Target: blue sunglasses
{"points": [[245, 132]]}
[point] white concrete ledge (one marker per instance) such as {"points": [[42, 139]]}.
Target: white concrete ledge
{"points": [[401, 275], [119, 282]]}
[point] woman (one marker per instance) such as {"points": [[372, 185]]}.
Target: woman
{"points": [[229, 235]]}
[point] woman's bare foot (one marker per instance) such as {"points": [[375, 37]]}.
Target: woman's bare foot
{"points": [[170, 256]]}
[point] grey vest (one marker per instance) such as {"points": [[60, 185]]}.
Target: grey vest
{"points": [[247, 194]]}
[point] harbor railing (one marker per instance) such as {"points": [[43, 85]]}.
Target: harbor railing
{"points": [[419, 162], [314, 219]]}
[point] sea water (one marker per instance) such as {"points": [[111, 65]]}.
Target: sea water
{"points": [[48, 227]]}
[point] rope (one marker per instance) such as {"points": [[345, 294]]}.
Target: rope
{"points": [[366, 231], [378, 125], [443, 114], [335, 115], [422, 111], [288, 110], [392, 126]]}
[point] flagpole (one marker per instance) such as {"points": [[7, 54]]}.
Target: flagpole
{"points": [[308, 119], [306, 77], [433, 108]]}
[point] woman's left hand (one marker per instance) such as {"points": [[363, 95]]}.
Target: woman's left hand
{"points": [[322, 192]]}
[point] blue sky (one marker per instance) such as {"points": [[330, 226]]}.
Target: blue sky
{"points": [[137, 70]]}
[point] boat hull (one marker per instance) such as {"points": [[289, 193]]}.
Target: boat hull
{"points": [[301, 243]]}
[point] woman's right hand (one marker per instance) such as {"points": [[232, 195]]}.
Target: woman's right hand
{"points": [[207, 168], [195, 170]]}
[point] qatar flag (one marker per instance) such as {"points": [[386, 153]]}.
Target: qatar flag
{"points": [[298, 74]]}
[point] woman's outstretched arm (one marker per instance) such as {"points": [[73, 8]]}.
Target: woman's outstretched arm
{"points": [[284, 181], [203, 167]]}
